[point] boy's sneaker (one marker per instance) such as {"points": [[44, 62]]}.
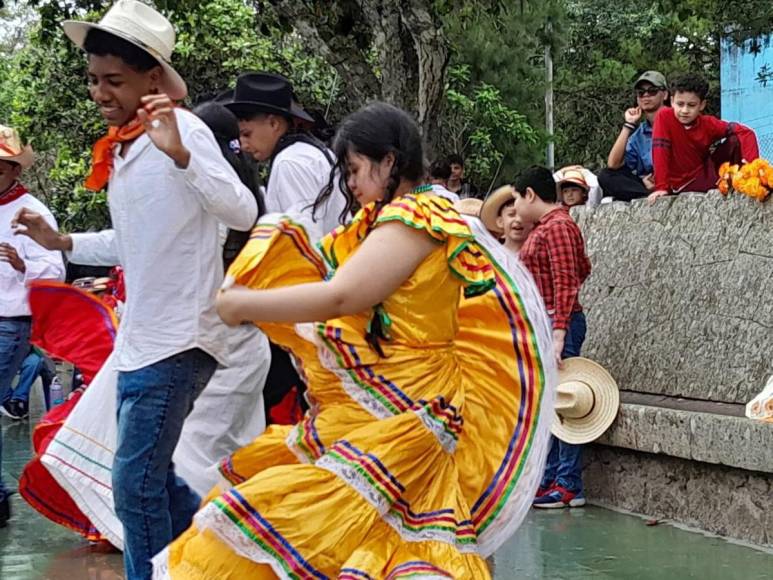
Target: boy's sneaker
{"points": [[8, 409], [543, 491], [559, 497], [20, 408]]}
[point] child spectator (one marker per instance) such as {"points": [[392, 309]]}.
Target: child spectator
{"points": [[688, 146], [554, 253], [578, 186], [500, 218], [628, 174]]}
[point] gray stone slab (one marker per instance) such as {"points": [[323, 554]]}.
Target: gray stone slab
{"points": [[729, 502], [731, 441], [679, 301]]}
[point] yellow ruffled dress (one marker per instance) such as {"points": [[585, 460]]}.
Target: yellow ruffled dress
{"points": [[418, 461]]}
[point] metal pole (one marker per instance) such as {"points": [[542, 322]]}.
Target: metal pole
{"points": [[549, 106]]}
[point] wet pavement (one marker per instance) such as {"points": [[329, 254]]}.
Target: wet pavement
{"points": [[573, 544]]}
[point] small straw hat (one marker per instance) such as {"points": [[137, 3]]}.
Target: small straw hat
{"points": [[12, 150], [760, 407], [141, 25], [490, 210], [587, 401]]}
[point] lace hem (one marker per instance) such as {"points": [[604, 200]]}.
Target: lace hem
{"points": [[258, 549], [368, 402], [356, 481]]}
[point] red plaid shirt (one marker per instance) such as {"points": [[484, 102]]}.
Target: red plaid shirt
{"points": [[554, 253]]}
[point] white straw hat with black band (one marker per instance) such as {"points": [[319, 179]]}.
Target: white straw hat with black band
{"points": [[145, 28]]}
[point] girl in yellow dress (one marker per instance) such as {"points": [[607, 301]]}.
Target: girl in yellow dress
{"points": [[430, 382]]}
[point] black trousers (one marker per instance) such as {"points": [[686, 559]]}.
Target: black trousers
{"points": [[622, 184]]}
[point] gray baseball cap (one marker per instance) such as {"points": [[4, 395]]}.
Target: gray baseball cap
{"points": [[654, 77]]}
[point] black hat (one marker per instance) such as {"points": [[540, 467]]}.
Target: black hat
{"points": [[265, 93]]}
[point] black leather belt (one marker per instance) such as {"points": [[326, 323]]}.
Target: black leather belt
{"points": [[15, 318]]}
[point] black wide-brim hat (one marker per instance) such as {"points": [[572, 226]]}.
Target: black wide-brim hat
{"points": [[265, 93]]}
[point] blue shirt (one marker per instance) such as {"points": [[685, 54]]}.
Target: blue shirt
{"points": [[638, 150]]}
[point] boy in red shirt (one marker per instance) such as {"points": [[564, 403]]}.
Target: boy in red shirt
{"points": [[554, 253], [683, 141]]}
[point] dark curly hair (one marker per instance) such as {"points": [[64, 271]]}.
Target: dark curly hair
{"points": [[690, 83], [375, 131], [101, 43]]}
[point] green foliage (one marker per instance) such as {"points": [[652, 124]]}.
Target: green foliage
{"points": [[482, 127], [45, 93]]}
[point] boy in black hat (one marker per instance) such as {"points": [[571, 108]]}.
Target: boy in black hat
{"points": [[275, 128]]}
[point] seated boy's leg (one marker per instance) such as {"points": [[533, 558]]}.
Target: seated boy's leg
{"points": [[622, 184]]}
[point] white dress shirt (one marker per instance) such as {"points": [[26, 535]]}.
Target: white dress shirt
{"points": [[165, 235], [298, 173], [40, 264]]}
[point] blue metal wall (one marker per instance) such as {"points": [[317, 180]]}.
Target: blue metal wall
{"points": [[744, 98]]}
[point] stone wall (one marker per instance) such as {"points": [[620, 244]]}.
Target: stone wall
{"points": [[680, 310], [680, 301]]}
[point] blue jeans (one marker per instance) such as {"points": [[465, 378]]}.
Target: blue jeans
{"points": [[33, 366], [14, 345], [153, 504], [564, 464]]}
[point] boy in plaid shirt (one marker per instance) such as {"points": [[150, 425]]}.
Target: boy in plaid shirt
{"points": [[554, 253]]}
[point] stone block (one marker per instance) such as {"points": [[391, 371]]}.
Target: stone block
{"points": [[706, 437], [729, 502], [679, 301]]}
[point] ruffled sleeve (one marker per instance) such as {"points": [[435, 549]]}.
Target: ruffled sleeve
{"points": [[437, 217]]}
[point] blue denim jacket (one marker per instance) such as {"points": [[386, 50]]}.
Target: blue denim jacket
{"points": [[638, 150]]}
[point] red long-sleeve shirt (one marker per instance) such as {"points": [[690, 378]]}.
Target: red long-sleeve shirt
{"points": [[679, 152], [554, 253]]}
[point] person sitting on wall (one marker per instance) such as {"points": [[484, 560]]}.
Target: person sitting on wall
{"points": [[577, 186], [629, 170], [688, 146]]}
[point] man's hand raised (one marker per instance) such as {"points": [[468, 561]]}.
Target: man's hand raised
{"points": [[33, 225], [633, 115]]}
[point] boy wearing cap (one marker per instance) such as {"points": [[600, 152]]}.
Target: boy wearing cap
{"points": [[555, 255], [629, 169], [688, 147], [168, 189], [273, 128], [21, 261]]}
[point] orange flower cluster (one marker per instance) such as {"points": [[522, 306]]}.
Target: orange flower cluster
{"points": [[754, 179]]}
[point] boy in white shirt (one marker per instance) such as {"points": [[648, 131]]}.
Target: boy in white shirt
{"points": [[168, 187], [21, 262]]}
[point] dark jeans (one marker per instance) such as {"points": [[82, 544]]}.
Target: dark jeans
{"points": [[153, 504], [564, 464], [622, 184], [33, 366], [14, 345]]}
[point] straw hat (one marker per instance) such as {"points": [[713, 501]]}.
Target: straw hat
{"points": [[12, 150], [468, 206], [141, 25], [490, 210], [760, 407], [586, 402], [573, 176]]}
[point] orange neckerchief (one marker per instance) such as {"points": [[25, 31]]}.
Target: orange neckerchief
{"points": [[104, 150]]}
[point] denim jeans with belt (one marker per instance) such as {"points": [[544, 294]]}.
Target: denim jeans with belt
{"points": [[564, 464], [153, 504], [14, 346]]}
